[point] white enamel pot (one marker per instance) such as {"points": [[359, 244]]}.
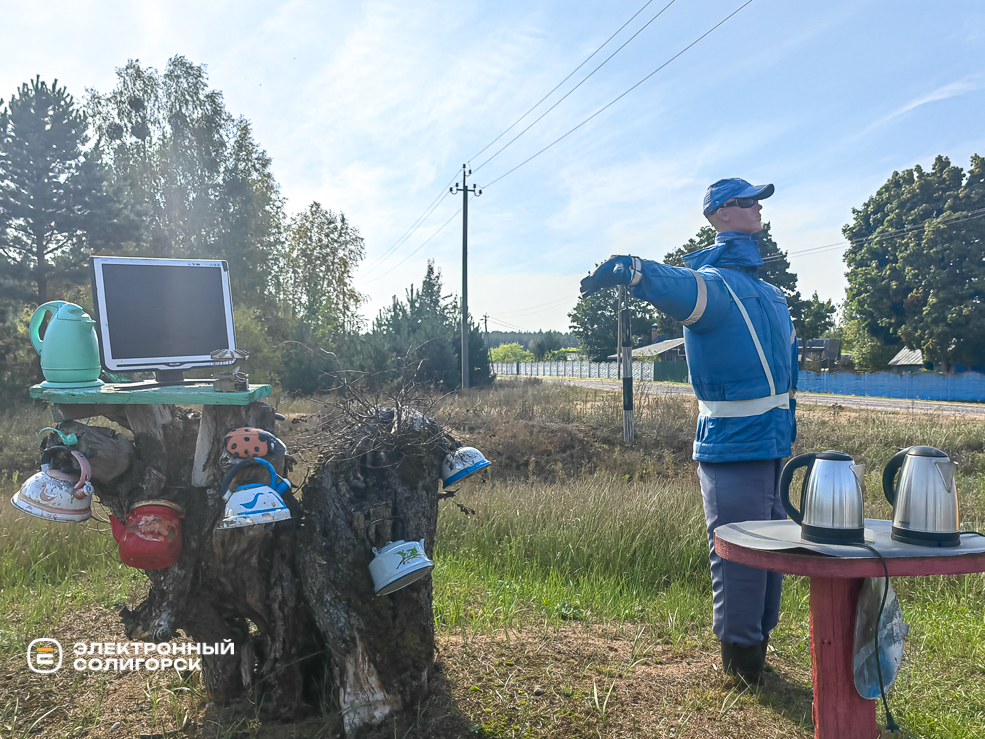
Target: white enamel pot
{"points": [[462, 463], [398, 563], [54, 494]]}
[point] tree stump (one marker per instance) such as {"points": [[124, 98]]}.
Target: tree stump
{"points": [[295, 598]]}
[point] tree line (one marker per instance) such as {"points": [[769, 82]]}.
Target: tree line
{"points": [[158, 167]]}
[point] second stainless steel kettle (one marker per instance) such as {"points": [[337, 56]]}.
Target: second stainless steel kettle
{"points": [[925, 499], [830, 499]]}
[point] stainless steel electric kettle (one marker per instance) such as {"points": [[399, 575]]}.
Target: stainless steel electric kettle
{"points": [[830, 499], [924, 499]]}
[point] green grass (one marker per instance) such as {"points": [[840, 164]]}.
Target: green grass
{"points": [[48, 570], [571, 526]]}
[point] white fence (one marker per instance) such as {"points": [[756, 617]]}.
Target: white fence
{"points": [[602, 370]]}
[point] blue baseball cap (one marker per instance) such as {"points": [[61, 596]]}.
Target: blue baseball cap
{"points": [[724, 190]]}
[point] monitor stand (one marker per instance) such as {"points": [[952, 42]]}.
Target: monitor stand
{"points": [[170, 377]]}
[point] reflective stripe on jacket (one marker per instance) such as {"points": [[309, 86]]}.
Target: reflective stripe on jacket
{"points": [[742, 361]]}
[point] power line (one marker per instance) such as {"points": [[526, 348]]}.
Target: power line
{"points": [[440, 228], [510, 326], [541, 116], [546, 306], [418, 222], [620, 97], [956, 218], [563, 81]]}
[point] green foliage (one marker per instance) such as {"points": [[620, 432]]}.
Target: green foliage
{"points": [[526, 338], [425, 331], [775, 271], [595, 321], [19, 363], [817, 318], [510, 353], [868, 353], [546, 343], [323, 251], [55, 201], [916, 268], [192, 173]]}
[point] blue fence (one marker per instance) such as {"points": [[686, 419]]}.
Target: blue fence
{"points": [[968, 386], [918, 385]]}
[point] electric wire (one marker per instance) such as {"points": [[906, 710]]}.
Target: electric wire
{"points": [[512, 326], [418, 222], [956, 218], [548, 304], [620, 97], [891, 725], [474, 156], [584, 80], [440, 229]]}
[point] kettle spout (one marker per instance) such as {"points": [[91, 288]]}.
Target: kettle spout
{"points": [[118, 527], [946, 470], [859, 470]]}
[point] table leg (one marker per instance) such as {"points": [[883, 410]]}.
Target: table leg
{"points": [[839, 711]]}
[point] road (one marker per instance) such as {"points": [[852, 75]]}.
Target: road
{"points": [[846, 401]]}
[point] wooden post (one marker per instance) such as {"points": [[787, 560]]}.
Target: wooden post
{"points": [[839, 711]]}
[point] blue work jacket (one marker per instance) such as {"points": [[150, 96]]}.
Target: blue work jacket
{"points": [[744, 386]]}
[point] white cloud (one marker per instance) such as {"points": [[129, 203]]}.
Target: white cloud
{"points": [[963, 86]]}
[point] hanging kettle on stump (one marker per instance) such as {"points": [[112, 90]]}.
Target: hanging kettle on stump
{"points": [[57, 494]]}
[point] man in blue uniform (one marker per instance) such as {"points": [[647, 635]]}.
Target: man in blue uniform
{"points": [[742, 360]]}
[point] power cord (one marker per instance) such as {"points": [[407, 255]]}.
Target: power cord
{"points": [[891, 724]]}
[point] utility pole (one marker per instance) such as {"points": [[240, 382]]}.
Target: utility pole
{"points": [[465, 190], [626, 340]]}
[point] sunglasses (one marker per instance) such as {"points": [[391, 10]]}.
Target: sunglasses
{"points": [[739, 203]]}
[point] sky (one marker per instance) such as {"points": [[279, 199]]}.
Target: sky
{"points": [[371, 108]]}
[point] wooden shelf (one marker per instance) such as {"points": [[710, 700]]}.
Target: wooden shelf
{"points": [[149, 394]]}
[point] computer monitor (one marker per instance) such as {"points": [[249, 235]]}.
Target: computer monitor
{"points": [[165, 315]]}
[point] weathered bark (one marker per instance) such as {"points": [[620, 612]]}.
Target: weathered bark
{"points": [[304, 584]]}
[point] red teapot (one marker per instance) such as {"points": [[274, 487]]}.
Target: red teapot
{"points": [[151, 537]]}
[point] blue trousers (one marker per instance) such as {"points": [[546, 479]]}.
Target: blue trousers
{"points": [[746, 600]]}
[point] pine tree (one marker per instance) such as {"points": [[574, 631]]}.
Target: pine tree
{"points": [[56, 204]]}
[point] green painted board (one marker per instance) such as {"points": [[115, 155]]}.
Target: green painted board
{"points": [[133, 394]]}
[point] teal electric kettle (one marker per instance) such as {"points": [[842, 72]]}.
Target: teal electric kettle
{"points": [[70, 349]]}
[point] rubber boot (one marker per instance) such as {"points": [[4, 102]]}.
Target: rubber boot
{"points": [[746, 662], [765, 645]]}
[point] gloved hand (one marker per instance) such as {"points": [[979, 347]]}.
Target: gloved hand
{"points": [[617, 271]]}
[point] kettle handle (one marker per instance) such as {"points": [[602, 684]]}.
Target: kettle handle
{"points": [[889, 475], [403, 526], [228, 477], [801, 460], [38, 316], [46, 454]]}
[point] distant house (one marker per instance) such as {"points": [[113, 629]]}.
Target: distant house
{"points": [[820, 350], [907, 360], [671, 350]]}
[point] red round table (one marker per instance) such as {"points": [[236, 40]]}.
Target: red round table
{"points": [[835, 582]]}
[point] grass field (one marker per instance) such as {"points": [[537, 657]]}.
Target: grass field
{"points": [[572, 601]]}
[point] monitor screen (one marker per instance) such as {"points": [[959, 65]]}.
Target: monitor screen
{"points": [[161, 314]]}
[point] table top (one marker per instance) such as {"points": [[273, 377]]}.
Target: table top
{"points": [[134, 394], [905, 560]]}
